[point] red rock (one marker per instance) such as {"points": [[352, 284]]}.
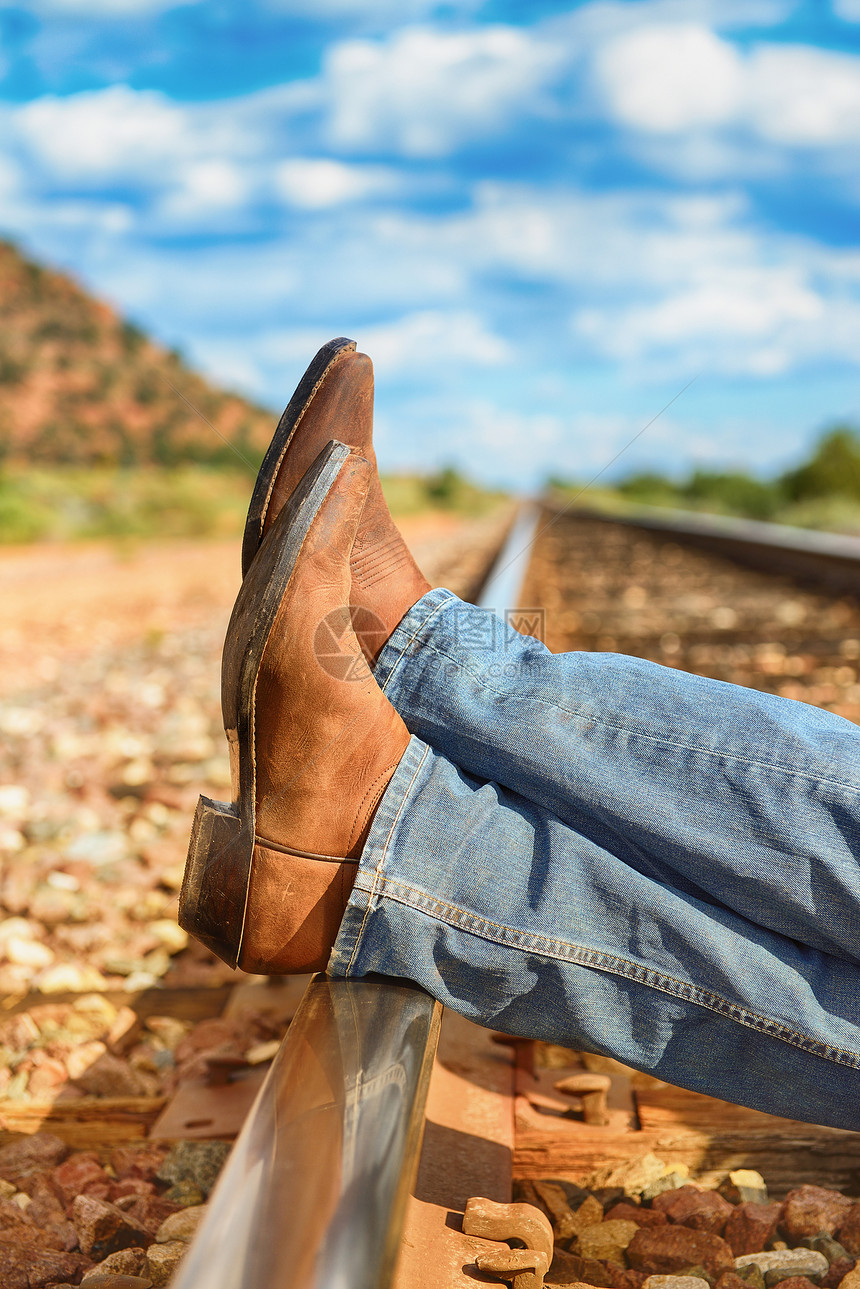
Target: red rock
{"points": [[130, 1186], [849, 1232], [81, 1174], [633, 1213], [751, 1227], [618, 1278], [138, 1161], [103, 1228], [48, 1075], [810, 1209], [29, 1265], [797, 1282], [731, 1280], [149, 1210], [570, 1267], [669, 1250], [13, 1219], [23, 1159], [689, 1206], [835, 1273]]}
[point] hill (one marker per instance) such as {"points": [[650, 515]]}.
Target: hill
{"points": [[80, 386]]}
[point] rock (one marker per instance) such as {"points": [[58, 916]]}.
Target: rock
{"points": [[104, 1229], [13, 1219], [634, 1213], [110, 1280], [751, 1226], [790, 1282], [606, 1241], [553, 1201], [25, 1265], [836, 1273], [812, 1209], [752, 1275], [675, 1282], [824, 1243], [731, 1280], [163, 1259], [183, 1225], [149, 1210], [744, 1186], [32, 1155], [796, 1262], [138, 1161], [668, 1182], [81, 1174], [197, 1162], [69, 978], [667, 1250], [849, 1230], [568, 1267], [126, 1262], [632, 1176], [851, 1280], [111, 1076], [689, 1206]]}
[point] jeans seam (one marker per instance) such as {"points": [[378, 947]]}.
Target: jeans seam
{"points": [[638, 733], [379, 877], [599, 960]]}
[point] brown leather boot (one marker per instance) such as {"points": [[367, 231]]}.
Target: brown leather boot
{"points": [[386, 581], [313, 742]]}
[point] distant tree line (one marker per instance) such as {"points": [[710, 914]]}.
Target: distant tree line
{"points": [[832, 471]]}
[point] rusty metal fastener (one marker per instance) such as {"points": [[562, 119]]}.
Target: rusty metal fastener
{"points": [[592, 1088], [492, 1221], [524, 1268]]}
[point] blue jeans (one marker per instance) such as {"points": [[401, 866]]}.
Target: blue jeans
{"points": [[622, 858]]}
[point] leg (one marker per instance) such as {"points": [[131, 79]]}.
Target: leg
{"points": [[726, 794], [518, 921]]}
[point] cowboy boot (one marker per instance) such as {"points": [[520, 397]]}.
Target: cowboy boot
{"points": [[386, 581], [313, 741]]}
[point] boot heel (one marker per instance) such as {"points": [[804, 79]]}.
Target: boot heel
{"points": [[215, 885]]}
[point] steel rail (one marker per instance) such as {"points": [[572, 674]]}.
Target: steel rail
{"points": [[828, 561], [314, 1192]]}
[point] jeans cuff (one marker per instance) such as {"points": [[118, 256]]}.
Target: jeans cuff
{"points": [[364, 896], [404, 636]]}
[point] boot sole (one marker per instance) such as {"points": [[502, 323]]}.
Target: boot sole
{"points": [[307, 387], [214, 894]]}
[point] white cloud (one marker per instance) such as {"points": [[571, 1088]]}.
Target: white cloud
{"points": [[670, 78], [425, 91], [102, 134], [683, 79], [316, 183], [433, 338], [847, 10], [799, 95]]}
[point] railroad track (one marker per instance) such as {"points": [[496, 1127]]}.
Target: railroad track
{"points": [[316, 1190], [330, 1183]]}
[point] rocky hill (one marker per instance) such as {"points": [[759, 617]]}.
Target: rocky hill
{"points": [[81, 386]]}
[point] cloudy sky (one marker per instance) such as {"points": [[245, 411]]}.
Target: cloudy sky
{"points": [[541, 219]]}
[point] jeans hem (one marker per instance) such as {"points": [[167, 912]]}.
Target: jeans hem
{"points": [[406, 632]]}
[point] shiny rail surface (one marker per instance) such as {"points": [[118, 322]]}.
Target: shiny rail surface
{"points": [[828, 561], [315, 1189]]}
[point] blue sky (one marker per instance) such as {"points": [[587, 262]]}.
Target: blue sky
{"points": [[541, 220]]}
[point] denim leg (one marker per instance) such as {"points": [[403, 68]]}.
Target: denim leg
{"points": [[512, 918], [733, 797]]}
